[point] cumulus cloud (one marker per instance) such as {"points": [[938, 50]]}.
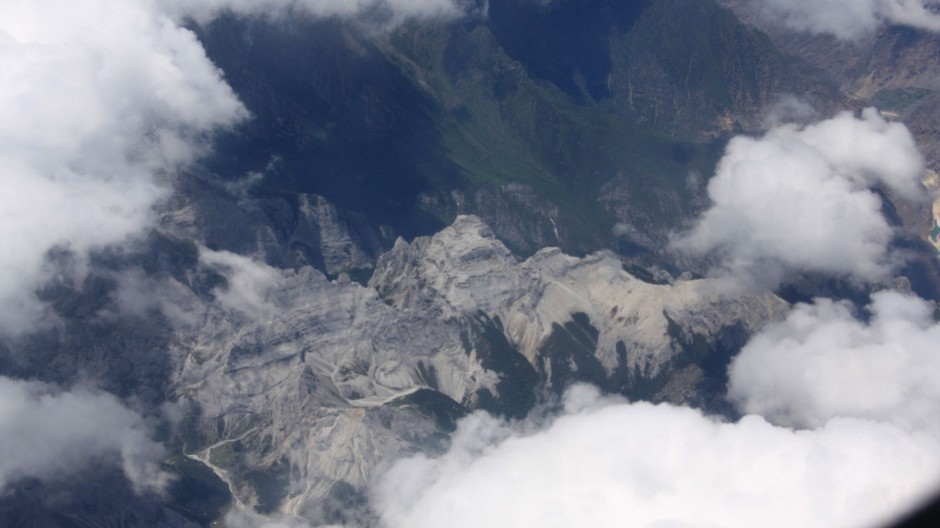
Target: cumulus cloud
{"points": [[799, 199], [100, 101], [48, 433], [822, 362], [390, 11], [614, 463], [850, 19], [840, 431]]}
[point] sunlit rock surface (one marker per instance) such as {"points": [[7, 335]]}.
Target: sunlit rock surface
{"points": [[298, 397], [464, 270]]}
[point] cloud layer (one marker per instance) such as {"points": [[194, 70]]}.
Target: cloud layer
{"points": [[607, 463], [100, 101], [850, 19], [823, 363], [799, 199], [841, 432], [48, 433]]}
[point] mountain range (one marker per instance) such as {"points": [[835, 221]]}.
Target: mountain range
{"points": [[395, 220]]}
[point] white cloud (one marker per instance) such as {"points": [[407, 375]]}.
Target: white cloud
{"points": [[48, 434], [842, 432], [138, 293], [250, 286], [788, 109], [799, 199], [850, 19], [610, 464], [822, 362], [100, 101], [921, 14], [394, 10]]}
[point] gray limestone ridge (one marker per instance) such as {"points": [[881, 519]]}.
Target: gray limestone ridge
{"points": [[298, 400]]}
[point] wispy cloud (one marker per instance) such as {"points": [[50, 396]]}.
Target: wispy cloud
{"points": [[48, 433], [249, 285], [850, 19]]}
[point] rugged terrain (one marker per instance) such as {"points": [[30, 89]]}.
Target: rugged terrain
{"points": [[327, 379], [435, 219]]}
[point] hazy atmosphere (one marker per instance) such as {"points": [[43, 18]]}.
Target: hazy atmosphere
{"points": [[424, 263]]}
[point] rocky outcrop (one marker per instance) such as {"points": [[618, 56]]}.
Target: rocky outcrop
{"points": [[285, 231], [299, 394], [312, 390], [464, 269]]}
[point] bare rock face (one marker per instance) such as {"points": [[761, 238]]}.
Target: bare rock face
{"points": [[631, 323], [317, 387], [305, 230], [295, 388], [319, 220]]}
